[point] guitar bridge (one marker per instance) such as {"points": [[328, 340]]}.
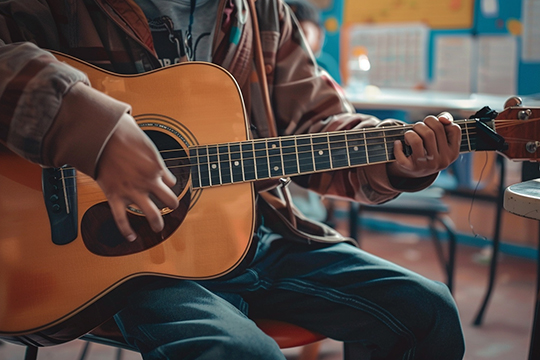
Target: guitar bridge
{"points": [[60, 194]]}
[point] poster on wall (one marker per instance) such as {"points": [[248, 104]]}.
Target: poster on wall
{"points": [[530, 50], [440, 14], [397, 53], [454, 63], [497, 65]]}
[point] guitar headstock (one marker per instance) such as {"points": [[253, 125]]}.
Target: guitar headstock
{"points": [[520, 128]]}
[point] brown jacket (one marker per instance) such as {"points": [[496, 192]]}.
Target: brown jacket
{"points": [[114, 35]]}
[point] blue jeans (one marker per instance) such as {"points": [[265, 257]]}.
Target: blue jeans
{"points": [[337, 290]]}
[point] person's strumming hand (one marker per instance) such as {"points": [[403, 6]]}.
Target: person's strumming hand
{"points": [[129, 170]]}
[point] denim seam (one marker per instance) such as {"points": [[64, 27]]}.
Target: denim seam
{"points": [[390, 321]]}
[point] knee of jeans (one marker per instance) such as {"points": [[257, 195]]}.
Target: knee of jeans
{"points": [[238, 347], [218, 346], [444, 326], [435, 301]]}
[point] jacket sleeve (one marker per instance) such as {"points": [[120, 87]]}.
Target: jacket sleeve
{"points": [[48, 112], [307, 100]]}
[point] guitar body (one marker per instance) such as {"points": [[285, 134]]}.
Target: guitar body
{"points": [[51, 293]]}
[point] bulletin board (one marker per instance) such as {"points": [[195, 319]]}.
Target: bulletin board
{"points": [[439, 14]]}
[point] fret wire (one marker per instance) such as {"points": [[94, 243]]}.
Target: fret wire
{"points": [[242, 161], [329, 152], [366, 148], [386, 149], [219, 165], [268, 157], [281, 154], [254, 160], [208, 165], [230, 162], [199, 166], [192, 164], [297, 152], [347, 149], [312, 151]]}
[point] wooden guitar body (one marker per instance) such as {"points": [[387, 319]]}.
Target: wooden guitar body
{"points": [[48, 289]]}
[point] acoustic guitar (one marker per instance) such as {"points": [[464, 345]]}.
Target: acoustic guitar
{"points": [[64, 266]]}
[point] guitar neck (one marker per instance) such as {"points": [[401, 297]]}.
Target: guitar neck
{"points": [[261, 159]]}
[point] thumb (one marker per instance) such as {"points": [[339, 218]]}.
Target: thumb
{"points": [[168, 178]]}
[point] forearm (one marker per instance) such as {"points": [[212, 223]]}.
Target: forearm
{"points": [[82, 128], [32, 86], [50, 115]]}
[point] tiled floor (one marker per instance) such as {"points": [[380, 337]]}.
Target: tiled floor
{"points": [[504, 334]]}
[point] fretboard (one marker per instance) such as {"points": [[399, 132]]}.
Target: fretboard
{"points": [[260, 159]]}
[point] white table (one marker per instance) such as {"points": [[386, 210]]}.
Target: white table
{"points": [[523, 199], [429, 101]]}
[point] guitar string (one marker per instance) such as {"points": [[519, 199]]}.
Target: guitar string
{"points": [[348, 143], [375, 149], [506, 123], [361, 132], [256, 170], [402, 129], [373, 153], [465, 132]]}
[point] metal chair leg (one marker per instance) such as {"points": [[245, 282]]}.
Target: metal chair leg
{"points": [[85, 350], [448, 262], [31, 353], [119, 353], [496, 244]]}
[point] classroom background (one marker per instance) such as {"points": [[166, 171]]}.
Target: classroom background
{"points": [[482, 46]]}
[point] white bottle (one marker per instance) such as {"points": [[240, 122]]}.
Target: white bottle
{"points": [[359, 67]]}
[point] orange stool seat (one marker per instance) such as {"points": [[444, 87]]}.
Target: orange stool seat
{"points": [[287, 335]]}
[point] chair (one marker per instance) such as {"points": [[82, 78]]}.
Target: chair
{"points": [[427, 204], [496, 197]]}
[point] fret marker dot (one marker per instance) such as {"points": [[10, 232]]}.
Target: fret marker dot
{"points": [[355, 148], [276, 168], [321, 152], [214, 166], [236, 163], [274, 146]]}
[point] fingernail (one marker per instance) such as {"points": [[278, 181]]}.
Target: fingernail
{"points": [[131, 237]]}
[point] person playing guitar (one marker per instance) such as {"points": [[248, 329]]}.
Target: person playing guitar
{"points": [[199, 154]]}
